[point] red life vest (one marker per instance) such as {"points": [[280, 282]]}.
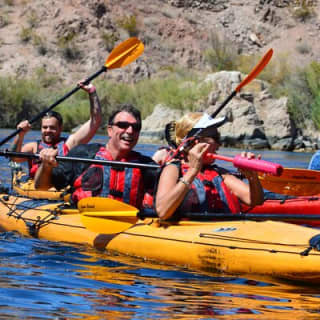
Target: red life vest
{"points": [[62, 151], [120, 183], [209, 193]]}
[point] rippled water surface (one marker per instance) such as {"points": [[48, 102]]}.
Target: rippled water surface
{"points": [[47, 280]]}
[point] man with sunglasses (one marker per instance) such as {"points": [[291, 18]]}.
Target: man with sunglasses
{"points": [[124, 184]]}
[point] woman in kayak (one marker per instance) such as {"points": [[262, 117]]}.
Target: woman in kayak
{"points": [[191, 183]]}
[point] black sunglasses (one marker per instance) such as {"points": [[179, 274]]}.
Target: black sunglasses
{"points": [[126, 125]]}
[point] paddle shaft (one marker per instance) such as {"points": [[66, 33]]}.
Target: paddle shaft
{"points": [[7, 153], [207, 216], [42, 113], [252, 75]]}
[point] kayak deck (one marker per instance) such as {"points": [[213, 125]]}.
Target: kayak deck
{"points": [[247, 247]]}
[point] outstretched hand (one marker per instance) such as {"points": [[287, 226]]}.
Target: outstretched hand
{"points": [[25, 126], [90, 88]]}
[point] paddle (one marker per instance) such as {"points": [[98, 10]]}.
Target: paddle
{"points": [[106, 215], [120, 56], [241, 162], [293, 182], [197, 129], [252, 75]]}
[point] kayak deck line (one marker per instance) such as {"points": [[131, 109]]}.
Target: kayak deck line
{"points": [[233, 247]]}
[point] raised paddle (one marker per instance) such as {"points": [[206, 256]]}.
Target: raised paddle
{"points": [[293, 182], [198, 128], [120, 56], [252, 75], [109, 216], [240, 162]]}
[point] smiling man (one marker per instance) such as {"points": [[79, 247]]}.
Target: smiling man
{"points": [[51, 128], [123, 184]]}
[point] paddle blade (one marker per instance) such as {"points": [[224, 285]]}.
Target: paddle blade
{"points": [[256, 70], [293, 182], [105, 206], [125, 53], [125, 216], [105, 226]]}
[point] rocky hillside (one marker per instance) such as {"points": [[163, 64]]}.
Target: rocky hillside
{"points": [[72, 38]]}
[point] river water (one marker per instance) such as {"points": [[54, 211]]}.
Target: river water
{"points": [[47, 280]]}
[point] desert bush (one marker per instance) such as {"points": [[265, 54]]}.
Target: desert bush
{"points": [[4, 20], [129, 23], [303, 48], [179, 90], [40, 44], [109, 39], [19, 99], [33, 19], [303, 10], [221, 54], [68, 47], [25, 34]]}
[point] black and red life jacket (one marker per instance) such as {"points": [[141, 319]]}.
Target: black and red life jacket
{"points": [[120, 183], [62, 151], [208, 193]]}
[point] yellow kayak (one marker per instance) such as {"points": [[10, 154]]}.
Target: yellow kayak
{"points": [[233, 247], [25, 187]]}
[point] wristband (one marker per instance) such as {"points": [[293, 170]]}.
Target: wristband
{"points": [[186, 183]]}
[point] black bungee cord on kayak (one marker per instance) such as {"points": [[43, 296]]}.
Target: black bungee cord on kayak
{"points": [[314, 243]]}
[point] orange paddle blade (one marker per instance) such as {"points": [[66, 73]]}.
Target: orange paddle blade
{"points": [[293, 182], [256, 70], [125, 53]]}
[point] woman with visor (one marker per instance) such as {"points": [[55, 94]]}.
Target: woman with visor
{"points": [[191, 182]]}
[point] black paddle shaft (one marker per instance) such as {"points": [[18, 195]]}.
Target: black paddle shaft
{"points": [[212, 216], [41, 114], [112, 163]]}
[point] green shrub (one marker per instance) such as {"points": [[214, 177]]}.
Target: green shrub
{"points": [[39, 43], [178, 91], [303, 10], [109, 40], [25, 34], [4, 20], [33, 19], [19, 99], [129, 23], [68, 47], [221, 54]]}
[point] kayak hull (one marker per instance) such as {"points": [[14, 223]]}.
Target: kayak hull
{"points": [[231, 247], [25, 187], [291, 206]]}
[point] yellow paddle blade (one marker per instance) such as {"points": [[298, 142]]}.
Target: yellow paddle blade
{"points": [[105, 226], [256, 70], [105, 206], [128, 216], [293, 182], [125, 53]]}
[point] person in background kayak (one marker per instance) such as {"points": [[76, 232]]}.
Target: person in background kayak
{"points": [[123, 184], [191, 183], [51, 129], [314, 163]]}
